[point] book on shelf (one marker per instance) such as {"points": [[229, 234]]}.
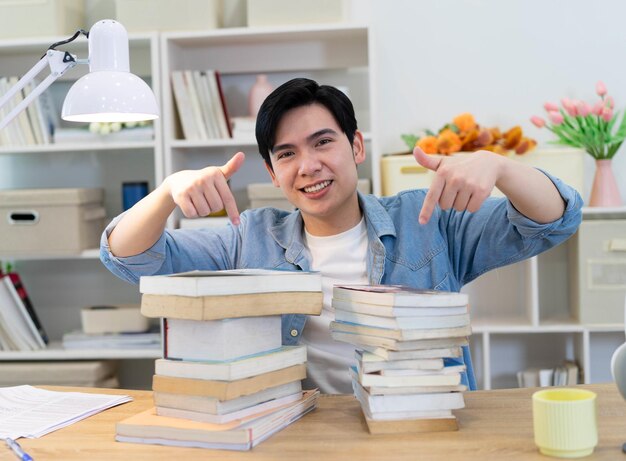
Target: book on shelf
{"points": [[283, 357], [27, 303], [201, 123], [214, 307], [399, 296], [215, 406], [220, 340], [395, 311], [402, 335], [148, 427], [229, 282], [249, 413], [225, 390], [204, 97], [390, 344], [131, 340], [19, 330], [403, 323], [184, 106], [225, 125], [565, 374]]}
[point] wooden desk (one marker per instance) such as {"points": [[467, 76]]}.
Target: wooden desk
{"points": [[495, 425]]}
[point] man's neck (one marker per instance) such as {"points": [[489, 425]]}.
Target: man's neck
{"points": [[333, 225]]}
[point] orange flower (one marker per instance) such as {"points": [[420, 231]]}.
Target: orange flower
{"points": [[428, 144], [512, 137], [448, 142], [464, 122]]}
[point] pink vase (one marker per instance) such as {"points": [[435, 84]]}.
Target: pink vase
{"points": [[604, 191], [259, 91]]}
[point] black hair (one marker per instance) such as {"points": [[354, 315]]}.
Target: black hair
{"points": [[296, 93]]}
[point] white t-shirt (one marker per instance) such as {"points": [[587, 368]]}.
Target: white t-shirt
{"points": [[341, 259]]}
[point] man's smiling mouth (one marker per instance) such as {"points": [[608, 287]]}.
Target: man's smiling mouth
{"points": [[317, 187]]}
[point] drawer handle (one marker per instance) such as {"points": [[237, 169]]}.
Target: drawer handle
{"points": [[413, 169], [617, 245], [27, 217]]}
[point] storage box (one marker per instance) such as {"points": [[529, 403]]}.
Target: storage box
{"points": [[50, 221], [266, 194], [402, 172], [113, 319], [89, 373], [289, 12], [19, 19], [598, 271], [150, 15]]}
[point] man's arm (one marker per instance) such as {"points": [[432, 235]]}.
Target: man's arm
{"points": [[196, 192], [463, 182]]}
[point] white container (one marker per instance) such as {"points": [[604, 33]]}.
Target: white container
{"points": [[163, 15], [402, 172], [598, 271], [19, 19], [113, 319], [50, 221], [288, 12]]}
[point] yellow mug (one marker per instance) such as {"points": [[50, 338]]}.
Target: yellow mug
{"points": [[565, 422]]}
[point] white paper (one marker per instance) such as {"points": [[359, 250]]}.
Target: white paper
{"points": [[27, 411]]}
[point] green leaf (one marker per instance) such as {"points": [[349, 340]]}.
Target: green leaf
{"points": [[410, 140]]}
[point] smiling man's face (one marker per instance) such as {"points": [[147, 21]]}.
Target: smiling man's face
{"points": [[315, 166]]}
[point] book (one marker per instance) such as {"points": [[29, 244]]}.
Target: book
{"points": [[402, 335], [395, 311], [403, 390], [224, 120], [413, 426], [403, 323], [21, 332], [215, 406], [184, 107], [370, 365], [284, 357], [225, 390], [374, 404], [148, 427], [232, 306], [434, 379], [28, 305], [212, 340], [359, 341], [229, 282], [441, 352], [398, 296], [195, 104], [80, 340], [251, 412]]}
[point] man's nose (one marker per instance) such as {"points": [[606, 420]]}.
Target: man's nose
{"points": [[309, 163]]}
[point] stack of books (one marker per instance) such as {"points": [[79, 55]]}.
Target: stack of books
{"points": [[407, 340], [225, 380]]}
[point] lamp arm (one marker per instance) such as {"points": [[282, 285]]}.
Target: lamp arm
{"points": [[58, 61]]}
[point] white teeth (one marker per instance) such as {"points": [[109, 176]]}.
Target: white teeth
{"points": [[317, 187]]}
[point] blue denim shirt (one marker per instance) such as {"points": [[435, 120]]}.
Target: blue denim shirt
{"points": [[452, 249]]}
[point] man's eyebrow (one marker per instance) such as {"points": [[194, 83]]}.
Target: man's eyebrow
{"points": [[309, 138]]}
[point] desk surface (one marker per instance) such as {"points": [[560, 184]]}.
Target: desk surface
{"points": [[495, 425]]}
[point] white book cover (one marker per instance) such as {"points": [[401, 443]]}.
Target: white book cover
{"points": [[220, 340], [441, 352], [217, 105], [398, 296], [183, 104], [402, 335], [215, 406], [229, 282], [396, 345], [374, 363], [392, 311], [446, 370], [372, 379], [201, 123], [408, 402], [403, 323], [284, 357], [204, 99], [257, 409], [17, 319]]}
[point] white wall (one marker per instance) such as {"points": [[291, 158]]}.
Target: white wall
{"points": [[500, 60]]}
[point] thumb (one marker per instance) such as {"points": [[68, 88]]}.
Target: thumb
{"points": [[231, 167], [427, 161]]}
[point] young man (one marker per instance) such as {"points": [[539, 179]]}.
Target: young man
{"points": [[441, 238]]}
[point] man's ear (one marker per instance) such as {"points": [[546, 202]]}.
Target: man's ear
{"points": [[358, 147], [271, 172]]}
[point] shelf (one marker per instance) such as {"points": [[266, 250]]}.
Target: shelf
{"points": [[79, 147], [55, 351], [93, 253], [591, 213]]}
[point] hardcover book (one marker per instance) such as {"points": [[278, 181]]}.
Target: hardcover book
{"points": [[398, 296]]}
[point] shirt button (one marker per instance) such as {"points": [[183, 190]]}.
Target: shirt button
{"points": [[294, 332]]}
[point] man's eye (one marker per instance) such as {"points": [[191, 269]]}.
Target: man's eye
{"points": [[284, 155], [324, 141]]}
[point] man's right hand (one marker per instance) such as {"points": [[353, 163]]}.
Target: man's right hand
{"points": [[205, 191]]}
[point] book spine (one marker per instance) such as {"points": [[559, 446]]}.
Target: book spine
{"points": [[218, 81], [21, 291]]}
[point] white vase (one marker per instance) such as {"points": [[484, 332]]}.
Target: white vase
{"points": [[259, 91]]}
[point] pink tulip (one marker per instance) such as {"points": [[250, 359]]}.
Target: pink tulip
{"points": [[569, 106], [550, 106], [600, 89], [607, 114], [583, 108], [555, 117], [538, 121], [597, 108]]}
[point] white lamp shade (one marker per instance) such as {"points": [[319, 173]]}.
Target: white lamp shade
{"points": [[109, 93], [108, 96]]}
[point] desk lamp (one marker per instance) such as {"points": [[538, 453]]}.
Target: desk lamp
{"points": [[108, 93]]}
